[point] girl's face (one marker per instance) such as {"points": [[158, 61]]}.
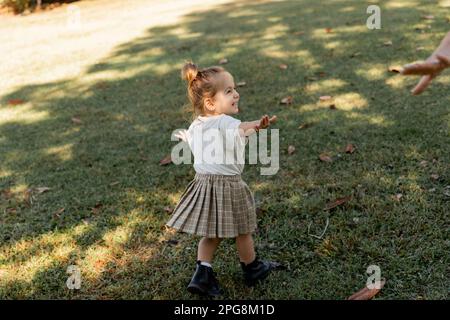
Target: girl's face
{"points": [[227, 98]]}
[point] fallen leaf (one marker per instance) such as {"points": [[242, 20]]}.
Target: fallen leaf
{"points": [[388, 43], [76, 120], [356, 54], [42, 190], [420, 48], [325, 98], [59, 212], [337, 202], [332, 106], [167, 160], [395, 69], [299, 33], [428, 17], [423, 163], [114, 183], [434, 176], [168, 209], [11, 210], [15, 102], [172, 242], [398, 196], [287, 100], [328, 30], [6, 193], [27, 197], [101, 85], [241, 84], [325, 158], [97, 208], [283, 66], [305, 125], [291, 150], [447, 191], [274, 265], [223, 61], [366, 293], [350, 148]]}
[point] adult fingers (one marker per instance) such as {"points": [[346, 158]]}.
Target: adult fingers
{"points": [[422, 85], [420, 68]]}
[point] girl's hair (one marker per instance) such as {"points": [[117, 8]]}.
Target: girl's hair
{"points": [[202, 83]]}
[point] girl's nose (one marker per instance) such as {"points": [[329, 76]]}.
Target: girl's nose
{"points": [[236, 94]]}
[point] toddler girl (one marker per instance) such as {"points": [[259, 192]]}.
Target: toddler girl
{"points": [[218, 204]]}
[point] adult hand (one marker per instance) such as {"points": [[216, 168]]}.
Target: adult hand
{"points": [[431, 68]]}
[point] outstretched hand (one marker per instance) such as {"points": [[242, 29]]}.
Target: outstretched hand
{"points": [[432, 67], [429, 70], [265, 122]]}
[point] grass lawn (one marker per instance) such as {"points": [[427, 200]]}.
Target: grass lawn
{"points": [[88, 113]]}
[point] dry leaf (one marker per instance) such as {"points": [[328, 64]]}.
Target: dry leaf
{"points": [[223, 61], [447, 191], [299, 33], [241, 84], [7, 194], [325, 98], [168, 209], [76, 120], [395, 69], [15, 102], [332, 106], [350, 148], [428, 17], [337, 202], [167, 160], [97, 208], [101, 85], [356, 54], [114, 183], [42, 190], [287, 100], [420, 48], [388, 43], [398, 196], [283, 66], [328, 30], [172, 242], [59, 212], [366, 293], [27, 197], [291, 150], [325, 158], [423, 163], [434, 176], [305, 126]]}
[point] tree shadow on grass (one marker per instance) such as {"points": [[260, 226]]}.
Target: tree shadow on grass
{"points": [[104, 171]]}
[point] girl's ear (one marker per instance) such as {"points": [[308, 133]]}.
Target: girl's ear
{"points": [[209, 104]]}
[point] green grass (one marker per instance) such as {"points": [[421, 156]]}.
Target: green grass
{"points": [[130, 101]]}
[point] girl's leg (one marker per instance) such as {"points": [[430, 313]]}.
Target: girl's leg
{"points": [[206, 249], [245, 248]]}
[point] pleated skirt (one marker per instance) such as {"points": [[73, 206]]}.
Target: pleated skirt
{"points": [[215, 206]]}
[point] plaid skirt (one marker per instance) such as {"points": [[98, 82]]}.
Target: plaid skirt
{"points": [[215, 206]]}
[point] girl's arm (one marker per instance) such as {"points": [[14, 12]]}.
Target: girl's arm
{"points": [[248, 128]]}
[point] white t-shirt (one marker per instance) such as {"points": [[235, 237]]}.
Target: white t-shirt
{"points": [[216, 144]]}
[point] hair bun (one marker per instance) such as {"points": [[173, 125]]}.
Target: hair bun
{"points": [[189, 71]]}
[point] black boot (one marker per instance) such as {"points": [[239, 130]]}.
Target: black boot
{"points": [[204, 282], [255, 271]]}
